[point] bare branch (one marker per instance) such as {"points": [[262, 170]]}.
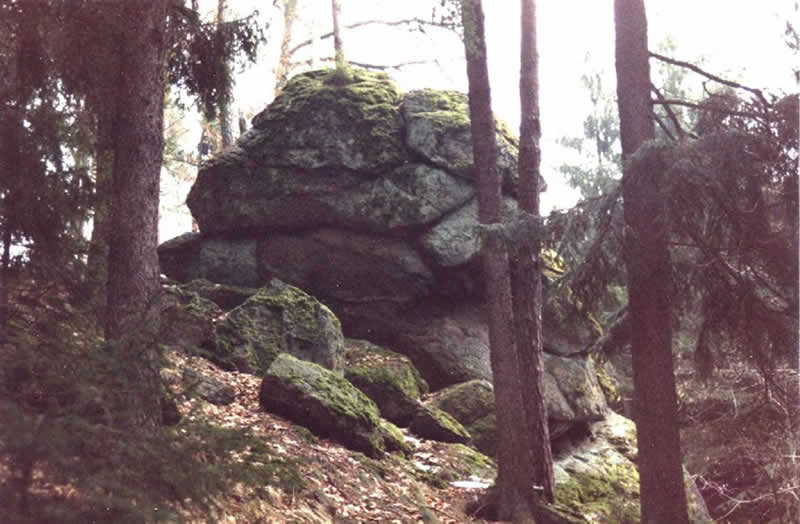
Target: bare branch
{"points": [[405, 21], [664, 127], [671, 115], [377, 67], [671, 102], [715, 78]]}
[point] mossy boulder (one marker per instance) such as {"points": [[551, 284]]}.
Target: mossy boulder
{"points": [[472, 404], [394, 440], [322, 401], [278, 319], [598, 480], [388, 378], [434, 424]]}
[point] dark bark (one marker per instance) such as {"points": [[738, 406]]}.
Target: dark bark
{"points": [[514, 460], [284, 58], [526, 271], [97, 261], [132, 261], [5, 282], [662, 492], [225, 129], [338, 44]]}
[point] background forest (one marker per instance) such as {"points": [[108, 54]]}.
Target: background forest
{"points": [[95, 167]]}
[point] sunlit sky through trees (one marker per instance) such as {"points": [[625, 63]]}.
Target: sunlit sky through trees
{"points": [[738, 39]]}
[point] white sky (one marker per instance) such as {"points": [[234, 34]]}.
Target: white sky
{"points": [[738, 39]]}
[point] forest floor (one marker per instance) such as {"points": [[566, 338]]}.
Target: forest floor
{"points": [[339, 485], [316, 480], [741, 439]]}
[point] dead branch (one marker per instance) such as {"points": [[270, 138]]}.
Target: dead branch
{"points": [[405, 21], [715, 78]]}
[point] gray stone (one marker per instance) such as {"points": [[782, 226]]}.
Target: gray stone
{"points": [[340, 266], [322, 401], [226, 260], [576, 378], [208, 389], [409, 196], [455, 240], [438, 128]]}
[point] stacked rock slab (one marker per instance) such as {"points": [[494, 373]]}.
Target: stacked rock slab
{"points": [[365, 198]]}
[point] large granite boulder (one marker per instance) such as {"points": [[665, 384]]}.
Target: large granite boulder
{"points": [[363, 197], [324, 402]]}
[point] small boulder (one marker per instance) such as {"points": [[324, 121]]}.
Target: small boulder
{"points": [[434, 424], [187, 319], [394, 440], [472, 404], [279, 319], [208, 389], [324, 402], [388, 378]]}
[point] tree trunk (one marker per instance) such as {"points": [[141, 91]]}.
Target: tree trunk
{"points": [[284, 59], [97, 268], [515, 473], [5, 282], [133, 262], [338, 44], [526, 272], [663, 496], [225, 130]]}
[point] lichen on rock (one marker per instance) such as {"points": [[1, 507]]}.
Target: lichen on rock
{"points": [[322, 401], [388, 378], [279, 319]]}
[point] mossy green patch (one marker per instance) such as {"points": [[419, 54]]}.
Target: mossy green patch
{"points": [[433, 423], [393, 439], [363, 104], [324, 402], [388, 378], [606, 492], [279, 318]]}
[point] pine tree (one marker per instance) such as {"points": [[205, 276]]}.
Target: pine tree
{"points": [[662, 492]]}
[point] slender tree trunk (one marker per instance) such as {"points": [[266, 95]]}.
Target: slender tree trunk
{"points": [[5, 283], [662, 491], [515, 474], [132, 261], [284, 59], [338, 44], [97, 268], [526, 272], [225, 129]]}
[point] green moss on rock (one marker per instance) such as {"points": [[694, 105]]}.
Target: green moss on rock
{"points": [[322, 119], [388, 378], [279, 318], [323, 401], [394, 440], [433, 423]]}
